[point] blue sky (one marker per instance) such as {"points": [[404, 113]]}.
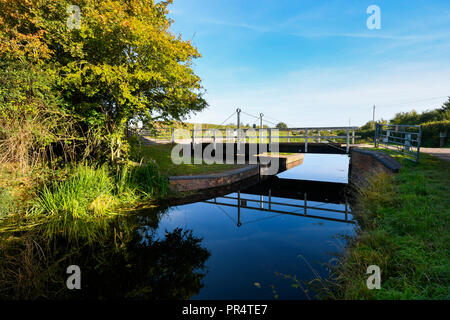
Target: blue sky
{"points": [[315, 63]]}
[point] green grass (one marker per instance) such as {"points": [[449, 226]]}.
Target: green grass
{"points": [[90, 193], [404, 222], [70, 205], [17, 186], [7, 202], [77, 201], [161, 155]]}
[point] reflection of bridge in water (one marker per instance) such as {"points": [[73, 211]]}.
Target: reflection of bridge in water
{"points": [[299, 191]]}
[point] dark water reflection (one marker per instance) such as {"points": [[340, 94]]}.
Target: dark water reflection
{"points": [[125, 261], [237, 245], [261, 233]]}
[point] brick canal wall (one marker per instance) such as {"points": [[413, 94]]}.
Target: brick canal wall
{"points": [[364, 164], [214, 180]]}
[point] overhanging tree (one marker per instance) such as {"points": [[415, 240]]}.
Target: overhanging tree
{"points": [[122, 63]]}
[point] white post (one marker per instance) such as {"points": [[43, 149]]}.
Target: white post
{"points": [[238, 112], [288, 136], [193, 137], [215, 131], [348, 140], [306, 140], [261, 115], [270, 139], [407, 142], [353, 136], [173, 135], [319, 136]]}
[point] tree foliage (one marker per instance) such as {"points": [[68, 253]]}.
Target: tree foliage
{"points": [[445, 110], [281, 125], [122, 64], [369, 124], [414, 118]]}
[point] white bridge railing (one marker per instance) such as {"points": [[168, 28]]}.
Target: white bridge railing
{"points": [[271, 135], [256, 135]]}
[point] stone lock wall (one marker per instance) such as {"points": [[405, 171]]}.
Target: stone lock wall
{"points": [[367, 163]]}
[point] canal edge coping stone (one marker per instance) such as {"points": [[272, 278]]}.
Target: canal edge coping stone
{"points": [[206, 181], [386, 160], [365, 164]]}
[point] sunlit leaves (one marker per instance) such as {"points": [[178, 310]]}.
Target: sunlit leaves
{"points": [[122, 63]]}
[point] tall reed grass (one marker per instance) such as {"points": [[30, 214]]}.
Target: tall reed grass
{"points": [[84, 201]]}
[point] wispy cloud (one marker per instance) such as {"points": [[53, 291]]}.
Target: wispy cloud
{"points": [[330, 96], [354, 35], [340, 68], [236, 24], [400, 39], [311, 33]]}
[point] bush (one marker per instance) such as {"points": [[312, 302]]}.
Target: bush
{"points": [[367, 134], [148, 180], [413, 117], [144, 181], [431, 131]]}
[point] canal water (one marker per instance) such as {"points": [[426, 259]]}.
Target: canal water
{"points": [[260, 238], [263, 240]]}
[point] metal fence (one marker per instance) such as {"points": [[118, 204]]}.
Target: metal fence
{"points": [[404, 139]]}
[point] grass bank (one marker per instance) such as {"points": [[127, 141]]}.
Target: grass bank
{"points": [[75, 200], [404, 221], [161, 155]]}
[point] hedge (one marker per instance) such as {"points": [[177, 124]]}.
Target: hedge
{"points": [[431, 131], [367, 134]]}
